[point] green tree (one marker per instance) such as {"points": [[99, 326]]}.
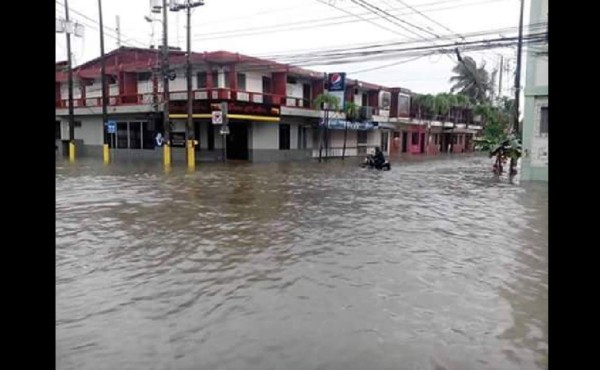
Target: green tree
{"points": [[471, 80], [351, 110], [326, 102]]}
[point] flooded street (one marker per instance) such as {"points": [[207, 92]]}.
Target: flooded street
{"points": [[433, 265]]}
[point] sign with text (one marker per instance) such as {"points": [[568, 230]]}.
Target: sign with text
{"points": [[336, 86], [178, 139]]}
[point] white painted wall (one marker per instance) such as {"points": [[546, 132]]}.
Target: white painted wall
{"points": [[254, 81], [337, 139], [64, 90], [539, 142], [179, 83], [94, 90], [90, 131], [265, 135], [293, 136], [541, 71], [145, 87], [374, 137], [294, 90], [221, 78]]}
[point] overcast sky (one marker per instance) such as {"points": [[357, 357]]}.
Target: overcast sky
{"points": [[267, 27]]}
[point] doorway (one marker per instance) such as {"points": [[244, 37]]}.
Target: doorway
{"points": [[422, 143], [237, 141], [404, 141]]}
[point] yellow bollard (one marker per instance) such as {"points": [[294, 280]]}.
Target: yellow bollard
{"points": [[72, 151], [167, 155], [191, 155], [106, 154]]}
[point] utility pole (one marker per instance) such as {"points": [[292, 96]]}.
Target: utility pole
{"points": [[515, 128], [191, 155], [188, 5], [118, 31], [106, 152], [500, 79], [165, 71], [70, 73]]}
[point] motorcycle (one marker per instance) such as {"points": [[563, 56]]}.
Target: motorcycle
{"points": [[370, 163]]}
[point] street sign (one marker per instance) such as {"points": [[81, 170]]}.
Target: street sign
{"points": [[217, 117], [111, 127], [225, 130]]}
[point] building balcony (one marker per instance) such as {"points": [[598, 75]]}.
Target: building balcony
{"points": [[214, 94]]}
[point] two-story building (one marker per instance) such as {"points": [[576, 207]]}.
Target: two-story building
{"points": [[271, 112], [535, 120]]}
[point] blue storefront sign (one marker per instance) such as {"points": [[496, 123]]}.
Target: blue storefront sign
{"points": [[111, 127], [340, 124]]}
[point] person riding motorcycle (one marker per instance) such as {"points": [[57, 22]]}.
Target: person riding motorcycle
{"points": [[378, 158]]}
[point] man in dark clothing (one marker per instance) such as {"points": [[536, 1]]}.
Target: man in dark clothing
{"points": [[378, 158]]}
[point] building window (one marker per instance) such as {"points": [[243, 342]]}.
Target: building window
{"points": [[201, 80], [403, 105], [226, 76], [144, 76], [361, 137], [215, 78], [148, 134], [135, 135], [415, 138], [122, 135], [301, 137], [77, 124], [544, 121], [384, 141], [241, 81], [284, 136], [267, 85]]}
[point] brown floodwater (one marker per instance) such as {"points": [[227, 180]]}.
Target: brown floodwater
{"points": [[433, 265]]}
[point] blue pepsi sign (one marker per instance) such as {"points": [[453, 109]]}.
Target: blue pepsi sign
{"points": [[337, 81], [111, 127]]}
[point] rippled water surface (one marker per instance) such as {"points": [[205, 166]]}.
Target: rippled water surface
{"points": [[433, 265]]}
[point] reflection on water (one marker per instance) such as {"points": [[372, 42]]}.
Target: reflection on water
{"points": [[433, 265]]}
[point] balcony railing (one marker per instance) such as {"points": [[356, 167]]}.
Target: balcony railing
{"points": [[199, 94]]}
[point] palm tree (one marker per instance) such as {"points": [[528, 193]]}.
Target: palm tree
{"points": [[351, 110], [327, 102], [470, 80]]}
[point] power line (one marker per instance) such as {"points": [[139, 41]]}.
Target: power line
{"points": [[388, 65], [323, 22], [361, 18], [106, 28], [381, 11], [330, 51], [426, 16]]}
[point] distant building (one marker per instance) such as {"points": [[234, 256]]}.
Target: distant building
{"points": [[272, 116], [535, 123]]}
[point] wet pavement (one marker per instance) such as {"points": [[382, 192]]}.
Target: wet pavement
{"points": [[433, 265]]}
